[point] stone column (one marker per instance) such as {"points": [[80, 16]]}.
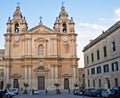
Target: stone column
{"points": [[56, 72], [26, 46], [7, 48], [73, 44], [74, 71], [29, 48], [52, 71], [29, 75], [75, 48], [23, 47], [6, 74], [72, 48], [26, 73], [53, 46]]}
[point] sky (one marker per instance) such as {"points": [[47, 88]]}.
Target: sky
{"points": [[91, 17]]}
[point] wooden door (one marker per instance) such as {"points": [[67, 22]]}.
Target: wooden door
{"points": [[1, 84], [15, 83], [66, 83], [41, 82]]}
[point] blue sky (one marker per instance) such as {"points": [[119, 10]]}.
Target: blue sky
{"points": [[91, 16]]}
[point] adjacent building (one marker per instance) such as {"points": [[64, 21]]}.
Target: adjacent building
{"points": [[81, 77], [40, 56], [102, 59], [2, 52]]}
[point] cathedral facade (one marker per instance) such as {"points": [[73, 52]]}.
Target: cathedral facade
{"points": [[40, 56]]}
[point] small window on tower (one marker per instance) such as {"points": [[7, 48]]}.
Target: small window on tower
{"points": [[16, 27], [64, 28]]}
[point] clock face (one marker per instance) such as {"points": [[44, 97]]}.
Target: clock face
{"points": [[16, 38], [65, 38]]}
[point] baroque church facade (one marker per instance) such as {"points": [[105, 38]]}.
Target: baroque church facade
{"points": [[40, 56]]}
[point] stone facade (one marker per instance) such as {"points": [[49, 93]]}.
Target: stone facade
{"points": [[102, 59], [81, 77], [1, 67], [41, 56]]}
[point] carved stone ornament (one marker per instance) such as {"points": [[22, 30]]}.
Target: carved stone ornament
{"points": [[40, 40], [16, 76], [66, 47], [15, 45], [66, 75], [41, 69]]}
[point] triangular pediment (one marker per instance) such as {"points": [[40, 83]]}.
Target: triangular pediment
{"points": [[40, 29]]}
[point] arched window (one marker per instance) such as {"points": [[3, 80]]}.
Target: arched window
{"points": [[16, 27], [41, 50], [64, 28]]}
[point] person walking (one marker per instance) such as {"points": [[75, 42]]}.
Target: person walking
{"points": [[46, 91], [69, 91]]}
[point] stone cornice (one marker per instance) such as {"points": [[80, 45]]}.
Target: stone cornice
{"points": [[103, 35]]}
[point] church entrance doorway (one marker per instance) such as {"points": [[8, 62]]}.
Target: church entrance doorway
{"points": [[41, 82], [1, 84], [66, 83], [15, 83]]}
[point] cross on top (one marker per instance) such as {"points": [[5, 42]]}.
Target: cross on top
{"points": [[63, 3], [18, 3], [40, 19]]}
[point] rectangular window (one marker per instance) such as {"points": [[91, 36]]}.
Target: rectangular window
{"points": [[92, 57], [116, 81], [83, 75], [88, 71], [115, 66], [113, 46], [99, 81], [106, 68], [108, 82], [98, 69], [105, 51], [92, 71], [93, 83], [88, 83], [98, 54]]}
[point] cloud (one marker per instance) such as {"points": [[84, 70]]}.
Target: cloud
{"points": [[117, 12], [86, 32], [93, 26], [103, 19], [117, 15], [83, 38], [115, 18]]}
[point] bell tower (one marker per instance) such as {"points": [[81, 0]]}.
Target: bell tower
{"points": [[15, 27], [62, 23], [18, 24], [67, 47]]}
